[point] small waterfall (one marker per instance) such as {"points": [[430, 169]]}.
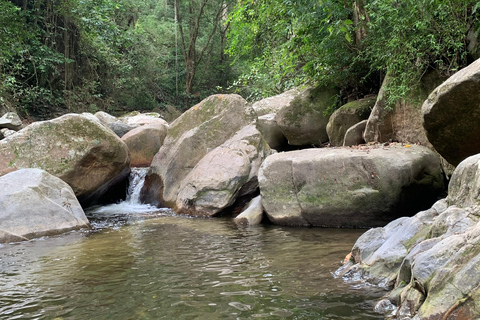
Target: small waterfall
{"points": [[137, 179], [131, 207]]}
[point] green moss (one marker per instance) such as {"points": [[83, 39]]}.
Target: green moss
{"points": [[361, 108], [313, 101], [421, 235]]}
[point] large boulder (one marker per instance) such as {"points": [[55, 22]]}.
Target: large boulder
{"points": [[144, 142], [452, 113], [191, 137], [347, 116], [347, 187], [275, 103], [34, 203], [430, 261], [303, 121], [226, 172], [81, 152], [403, 121]]}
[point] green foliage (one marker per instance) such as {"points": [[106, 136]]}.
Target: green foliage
{"points": [[351, 44], [282, 43], [87, 55], [408, 38]]}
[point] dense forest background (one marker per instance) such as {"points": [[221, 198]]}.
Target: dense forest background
{"points": [[60, 56]]}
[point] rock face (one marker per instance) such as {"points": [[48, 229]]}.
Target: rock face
{"points": [[349, 187], [144, 142], [405, 121], [226, 172], [303, 121], [347, 116], [190, 138], [452, 113], [34, 203], [81, 152], [275, 103], [430, 261]]}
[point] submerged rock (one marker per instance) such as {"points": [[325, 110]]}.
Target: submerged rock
{"points": [[431, 260], [34, 203], [452, 113], [349, 187], [81, 152], [200, 130]]}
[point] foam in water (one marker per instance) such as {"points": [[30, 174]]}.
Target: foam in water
{"points": [[132, 204]]}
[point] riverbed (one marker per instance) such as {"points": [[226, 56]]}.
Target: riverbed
{"points": [[171, 267]]}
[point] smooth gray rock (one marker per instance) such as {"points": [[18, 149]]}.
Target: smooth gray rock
{"points": [[275, 103], [354, 134], [81, 152], [347, 116], [349, 187], [438, 274], [190, 138], [452, 113], [223, 174], [34, 203]]}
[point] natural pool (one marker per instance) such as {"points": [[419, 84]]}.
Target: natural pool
{"points": [[172, 267]]}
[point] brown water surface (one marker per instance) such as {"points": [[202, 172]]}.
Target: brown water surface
{"points": [[181, 268]]}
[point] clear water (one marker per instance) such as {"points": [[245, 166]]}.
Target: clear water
{"points": [[181, 268], [170, 267]]}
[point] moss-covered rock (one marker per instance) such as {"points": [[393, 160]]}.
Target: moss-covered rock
{"points": [[349, 187], [347, 116], [303, 120], [74, 148], [431, 260], [402, 121]]}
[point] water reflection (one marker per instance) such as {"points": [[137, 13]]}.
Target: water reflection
{"points": [[180, 268]]}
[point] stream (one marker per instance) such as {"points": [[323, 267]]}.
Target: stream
{"points": [[139, 262]]}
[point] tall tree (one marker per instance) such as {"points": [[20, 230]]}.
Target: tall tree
{"points": [[199, 23]]}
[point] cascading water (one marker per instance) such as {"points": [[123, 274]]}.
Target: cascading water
{"points": [[129, 209], [137, 179]]}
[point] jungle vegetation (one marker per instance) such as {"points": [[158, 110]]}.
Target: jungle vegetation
{"points": [[59, 56]]}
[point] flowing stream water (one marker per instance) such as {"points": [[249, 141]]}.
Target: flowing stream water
{"points": [[171, 267]]}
